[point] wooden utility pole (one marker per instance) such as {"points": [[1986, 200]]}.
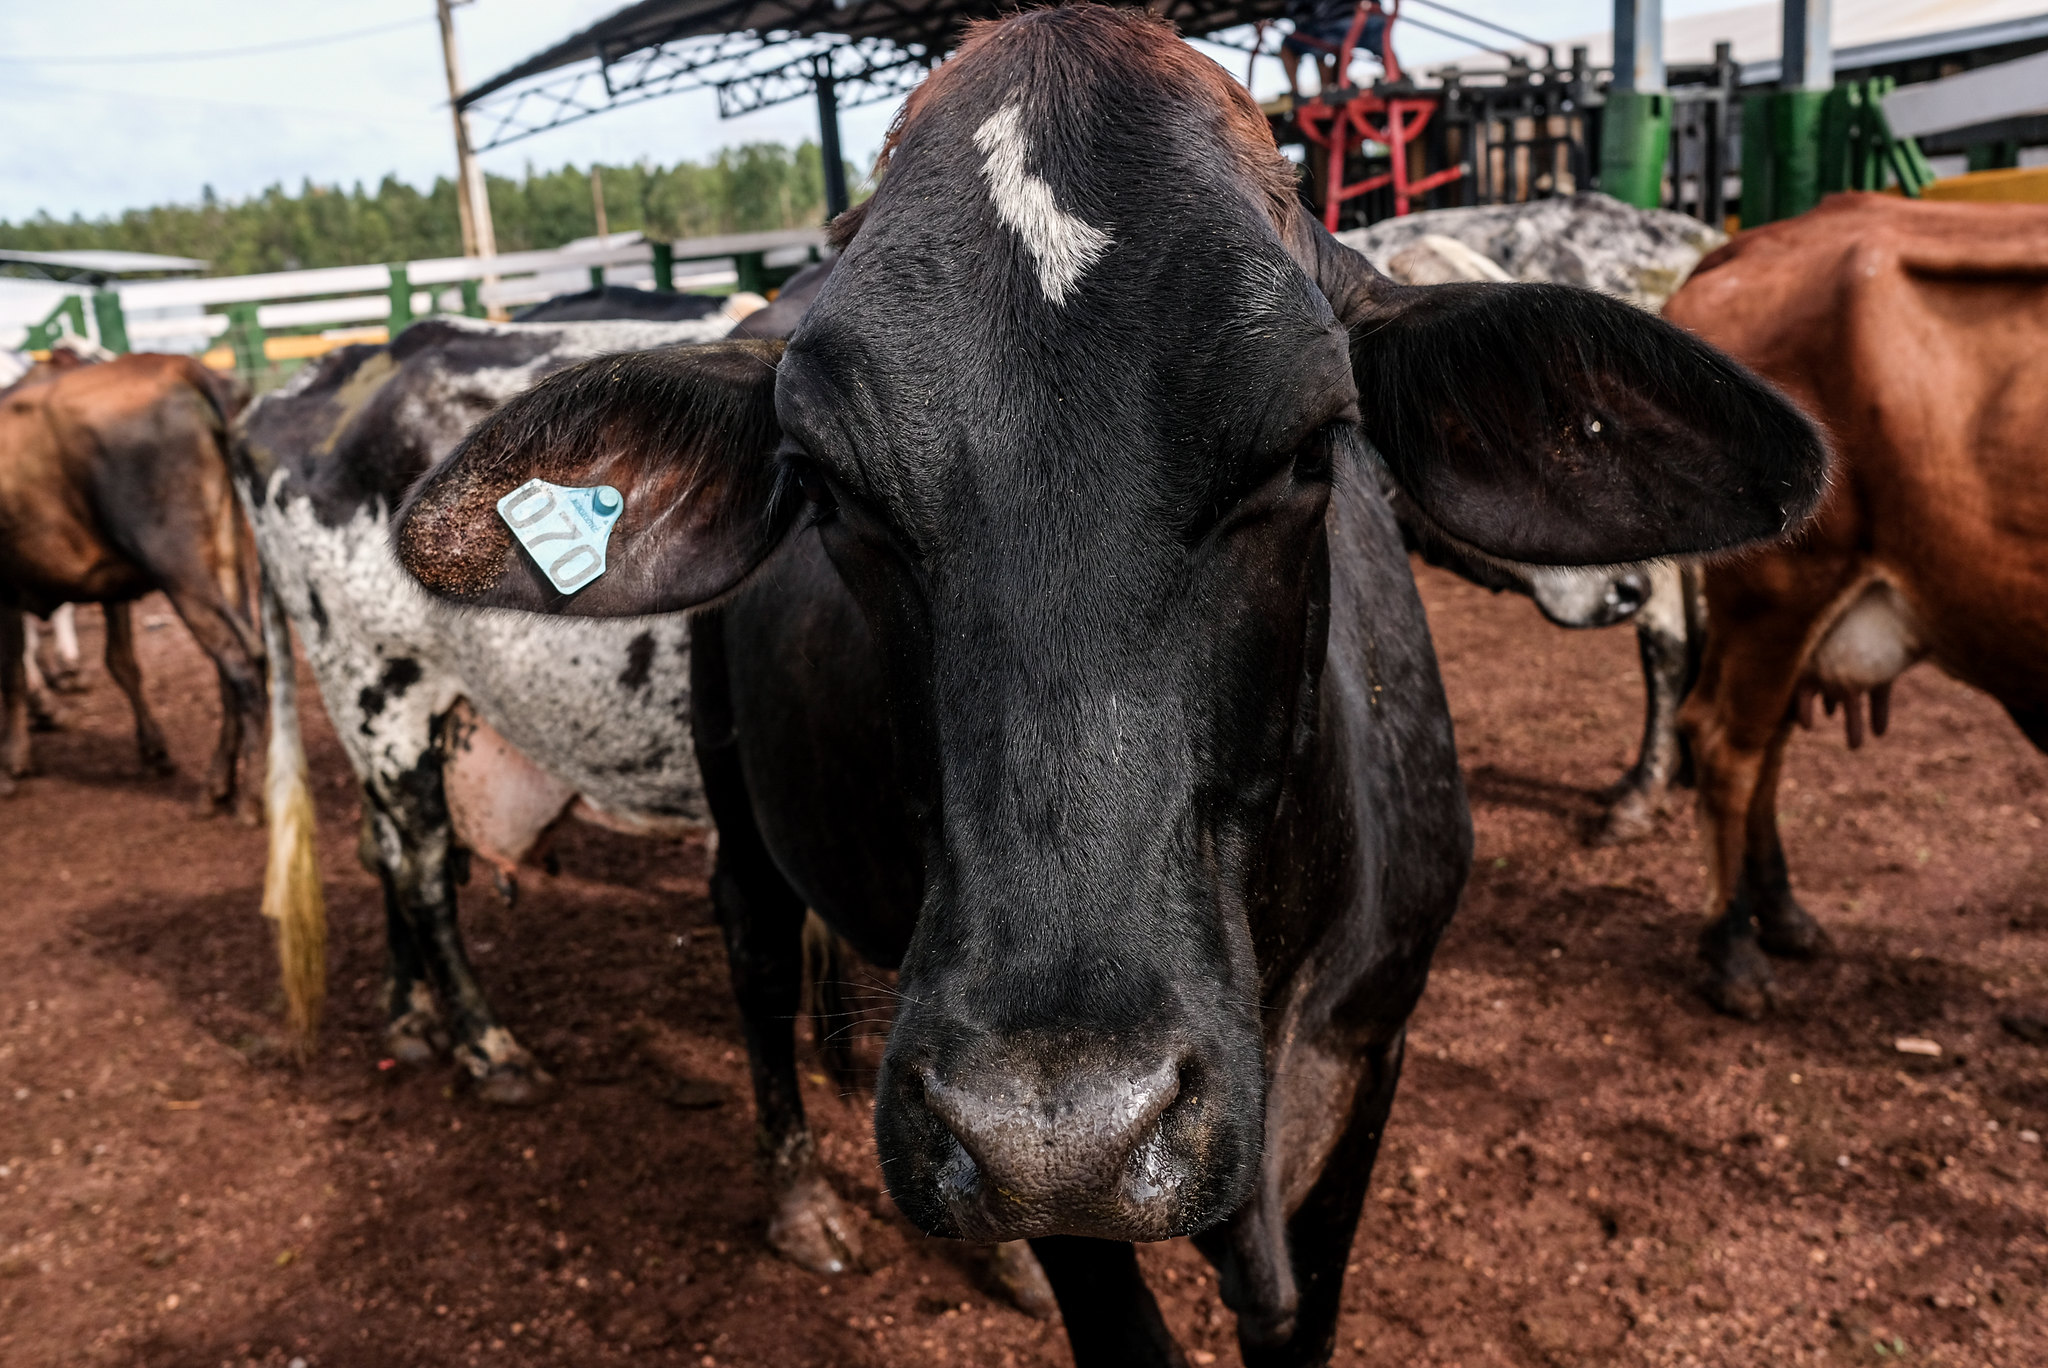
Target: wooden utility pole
{"points": [[472, 203], [597, 203]]}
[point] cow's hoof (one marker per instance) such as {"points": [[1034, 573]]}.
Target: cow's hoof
{"points": [[508, 1085], [416, 1039], [814, 1229], [1630, 820], [506, 1074], [1015, 1273], [1739, 980], [1792, 932]]}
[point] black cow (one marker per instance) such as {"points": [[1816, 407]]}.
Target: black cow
{"points": [[1066, 655], [611, 302]]}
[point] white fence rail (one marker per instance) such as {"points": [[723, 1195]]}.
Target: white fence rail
{"points": [[192, 314]]}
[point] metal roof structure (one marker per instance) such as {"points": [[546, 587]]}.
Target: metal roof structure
{"points": [[756, 53], [97, 265]]}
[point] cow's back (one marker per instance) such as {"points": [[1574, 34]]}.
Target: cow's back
{"points": [[600, 705], [99, 462], [1918, 335]]}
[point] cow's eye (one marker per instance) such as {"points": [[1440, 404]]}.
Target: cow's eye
{"points": [[1312, 458], [812, 484]]}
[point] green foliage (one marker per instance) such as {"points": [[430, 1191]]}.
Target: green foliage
{"points": [[745, 189]]}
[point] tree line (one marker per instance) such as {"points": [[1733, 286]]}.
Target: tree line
{"points": [[751, 188]]}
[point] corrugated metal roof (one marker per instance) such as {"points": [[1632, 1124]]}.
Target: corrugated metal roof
{"points": [[930, 24]]}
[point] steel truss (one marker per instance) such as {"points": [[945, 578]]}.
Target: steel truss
{"points": [[749, 71]]}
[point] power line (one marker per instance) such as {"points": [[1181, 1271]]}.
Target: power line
{"points": [[258, 49]]}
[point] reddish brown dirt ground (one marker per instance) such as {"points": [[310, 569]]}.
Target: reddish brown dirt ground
{"points": [[1586, 1165]]}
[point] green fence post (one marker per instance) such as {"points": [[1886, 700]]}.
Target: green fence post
{"points": [[1635, 140], [106, 311], [245, 336], [1795, 144], [752, 268], [1759, 179], [401, 298], [665, 267], [472, 299], [597, 277]]}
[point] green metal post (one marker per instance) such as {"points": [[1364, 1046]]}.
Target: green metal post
{"points": [[1759, 171], [597, 277], [665, 268], [106, 311], [1795, 143], [1635, 140], [752, 268], [472, 299], [245, 335], [401, 297]]}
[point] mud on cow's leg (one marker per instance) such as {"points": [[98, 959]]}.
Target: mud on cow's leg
{"points": [[149, 738], [1111, 1317], [14, 752], [411, 840], [1284, 1275]]}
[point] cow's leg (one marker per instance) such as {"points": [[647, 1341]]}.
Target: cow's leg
{"points": [[1662, 642], [411, 843], [763, 920], [1284, 1275], [230, 643], [1783, 926], [14, 753], [63, 665], [43, 714], [149, 738], [1112, 1320], [1738, 722]]}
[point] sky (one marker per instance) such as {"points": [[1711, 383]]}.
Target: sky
{"points": [[360, 93]]}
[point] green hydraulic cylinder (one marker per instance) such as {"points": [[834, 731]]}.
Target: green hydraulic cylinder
{"points": [[1635, 140], [106, 311]]}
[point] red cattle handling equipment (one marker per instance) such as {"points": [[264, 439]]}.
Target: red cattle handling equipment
{"points": [[1341, 120]]}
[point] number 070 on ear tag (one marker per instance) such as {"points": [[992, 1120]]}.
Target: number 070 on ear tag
{"points": [[563, 529]]}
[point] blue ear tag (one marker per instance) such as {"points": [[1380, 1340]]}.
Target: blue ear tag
{"points": [[563, 529]]}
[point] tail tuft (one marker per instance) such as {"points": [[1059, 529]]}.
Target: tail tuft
{"points": [[292, 896]]}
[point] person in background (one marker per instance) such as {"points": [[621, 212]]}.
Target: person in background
{"points": [[1320, 27]]}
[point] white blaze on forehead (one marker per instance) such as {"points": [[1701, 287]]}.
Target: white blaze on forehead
{"points": [[1063, 245]]}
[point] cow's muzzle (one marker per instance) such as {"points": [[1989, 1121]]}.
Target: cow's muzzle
{"points": [[1012, 1143]]}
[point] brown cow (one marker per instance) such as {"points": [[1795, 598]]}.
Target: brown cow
{"points": [[1918, 335], [114, 483]]}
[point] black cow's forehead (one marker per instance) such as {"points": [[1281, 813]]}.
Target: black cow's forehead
{"points": [[1043, 280]]}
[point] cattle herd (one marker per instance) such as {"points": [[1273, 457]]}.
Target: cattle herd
{"points": [[1024, 600]]}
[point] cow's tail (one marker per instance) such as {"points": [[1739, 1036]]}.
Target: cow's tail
{"points": [[828, 961], [292, 896]]}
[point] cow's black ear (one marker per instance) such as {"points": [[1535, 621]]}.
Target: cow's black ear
{"points": [[1553, 425], [686, 435]]}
